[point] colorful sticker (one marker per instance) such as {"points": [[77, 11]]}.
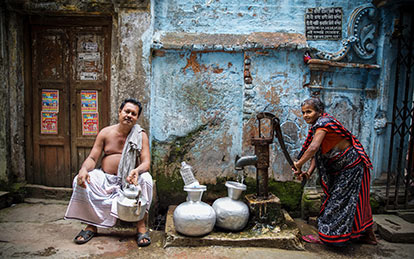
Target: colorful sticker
{"points": [[50, 100], [49, 123], [90, 123], [89, 101]]}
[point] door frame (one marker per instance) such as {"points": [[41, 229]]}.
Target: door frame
{"points": [[63, 21]]}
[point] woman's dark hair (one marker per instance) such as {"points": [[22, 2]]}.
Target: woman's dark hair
{"points": [[133, 101], [317, 104]]}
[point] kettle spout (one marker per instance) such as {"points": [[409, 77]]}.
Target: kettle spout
{"points": [[138, 210], [243, 161]]}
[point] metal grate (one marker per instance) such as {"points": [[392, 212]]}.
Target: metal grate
{"points": [[400, 162]]}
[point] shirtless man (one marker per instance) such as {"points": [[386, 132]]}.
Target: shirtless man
{"points": [[96, 189]]}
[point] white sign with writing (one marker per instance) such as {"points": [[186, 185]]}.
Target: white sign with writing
{"points": [[89, 56], [88, 76]]}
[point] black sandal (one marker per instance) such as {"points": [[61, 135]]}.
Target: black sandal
{"points": [[86, 234], [143, 236]]}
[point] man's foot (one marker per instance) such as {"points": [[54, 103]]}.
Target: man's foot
{"points": [[143, 239], [85, 235]]}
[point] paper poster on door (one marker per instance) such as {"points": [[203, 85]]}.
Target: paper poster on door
{"points": [[89, 101], [90, 123], [50, 100], [49, 123]]}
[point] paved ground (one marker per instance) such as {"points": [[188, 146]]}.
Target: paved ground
{"points": [[36, 229]]}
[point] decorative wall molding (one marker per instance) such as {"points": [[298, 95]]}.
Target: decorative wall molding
{"points": [[361, 34]]}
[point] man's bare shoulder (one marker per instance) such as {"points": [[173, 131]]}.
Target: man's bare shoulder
{"points": [[108, 130]]}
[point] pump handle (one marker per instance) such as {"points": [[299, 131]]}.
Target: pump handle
{"points": [[278, 130]]}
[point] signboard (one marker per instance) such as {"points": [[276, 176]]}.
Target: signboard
{"points": [[89, 56], [323, 23], [90, 46], [88, 76]]}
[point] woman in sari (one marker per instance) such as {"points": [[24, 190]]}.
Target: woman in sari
{"points": [[344, 170]]}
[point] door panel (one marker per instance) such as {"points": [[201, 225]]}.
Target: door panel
{"points": [[90, 73], [49, 72], [69, 57]]}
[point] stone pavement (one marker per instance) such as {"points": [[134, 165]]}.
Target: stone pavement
{"points": [[36, 229]]}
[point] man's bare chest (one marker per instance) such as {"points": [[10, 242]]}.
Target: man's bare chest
{"points": [[114, 144]]}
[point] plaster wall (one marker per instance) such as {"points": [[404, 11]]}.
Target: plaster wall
{"points": [[197, 106], [199, 93], [356, 96], [245, 16], [130, 67], [16, 97], [4, 104]]}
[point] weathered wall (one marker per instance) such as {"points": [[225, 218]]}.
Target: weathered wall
{"points": [[185, 61], [271, 35], [198, 95], [14, 83], [130, 60], [4, 100], [244, 16]]}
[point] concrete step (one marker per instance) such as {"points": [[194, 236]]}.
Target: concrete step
{"points": [[6, 199], [406, 215], [394, 229], [285, 237], [46, 192]]}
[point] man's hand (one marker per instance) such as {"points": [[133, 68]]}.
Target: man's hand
{"points": [[83, 177], [132, 178]]}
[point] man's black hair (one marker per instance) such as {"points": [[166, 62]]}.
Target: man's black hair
{"points": [[316, 103], [133, 101]]}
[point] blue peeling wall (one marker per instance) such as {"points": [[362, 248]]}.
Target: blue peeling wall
{"points": [[200, 100], [200, 92], [245, 16]]}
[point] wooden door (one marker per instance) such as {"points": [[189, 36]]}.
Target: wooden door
{"points": [[70, 94]]}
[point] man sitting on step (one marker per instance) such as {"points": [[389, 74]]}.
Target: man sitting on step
{"points": [[126, 161]]}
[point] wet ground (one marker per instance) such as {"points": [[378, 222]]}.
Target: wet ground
{"points": [[36, 229]]}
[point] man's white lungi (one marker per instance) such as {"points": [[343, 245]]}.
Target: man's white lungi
{"points": [[96, 204]]}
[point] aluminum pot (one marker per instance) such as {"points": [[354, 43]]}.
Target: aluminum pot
{"points": [[231, 213], [194, 217], [131, 210]]}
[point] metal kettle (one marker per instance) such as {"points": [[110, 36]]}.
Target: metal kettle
{"points": [[131, 205]]}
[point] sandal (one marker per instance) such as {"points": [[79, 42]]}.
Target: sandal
{"points": [[143, 237], [311, 239], [86, 234]]}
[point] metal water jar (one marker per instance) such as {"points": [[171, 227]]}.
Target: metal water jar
{"points": [[231, 213], [194, 217]]}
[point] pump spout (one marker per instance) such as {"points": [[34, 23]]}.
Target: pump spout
{"points": [[241, 162]]}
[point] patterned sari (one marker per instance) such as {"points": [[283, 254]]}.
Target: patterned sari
{"points": [[345, 179]]}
